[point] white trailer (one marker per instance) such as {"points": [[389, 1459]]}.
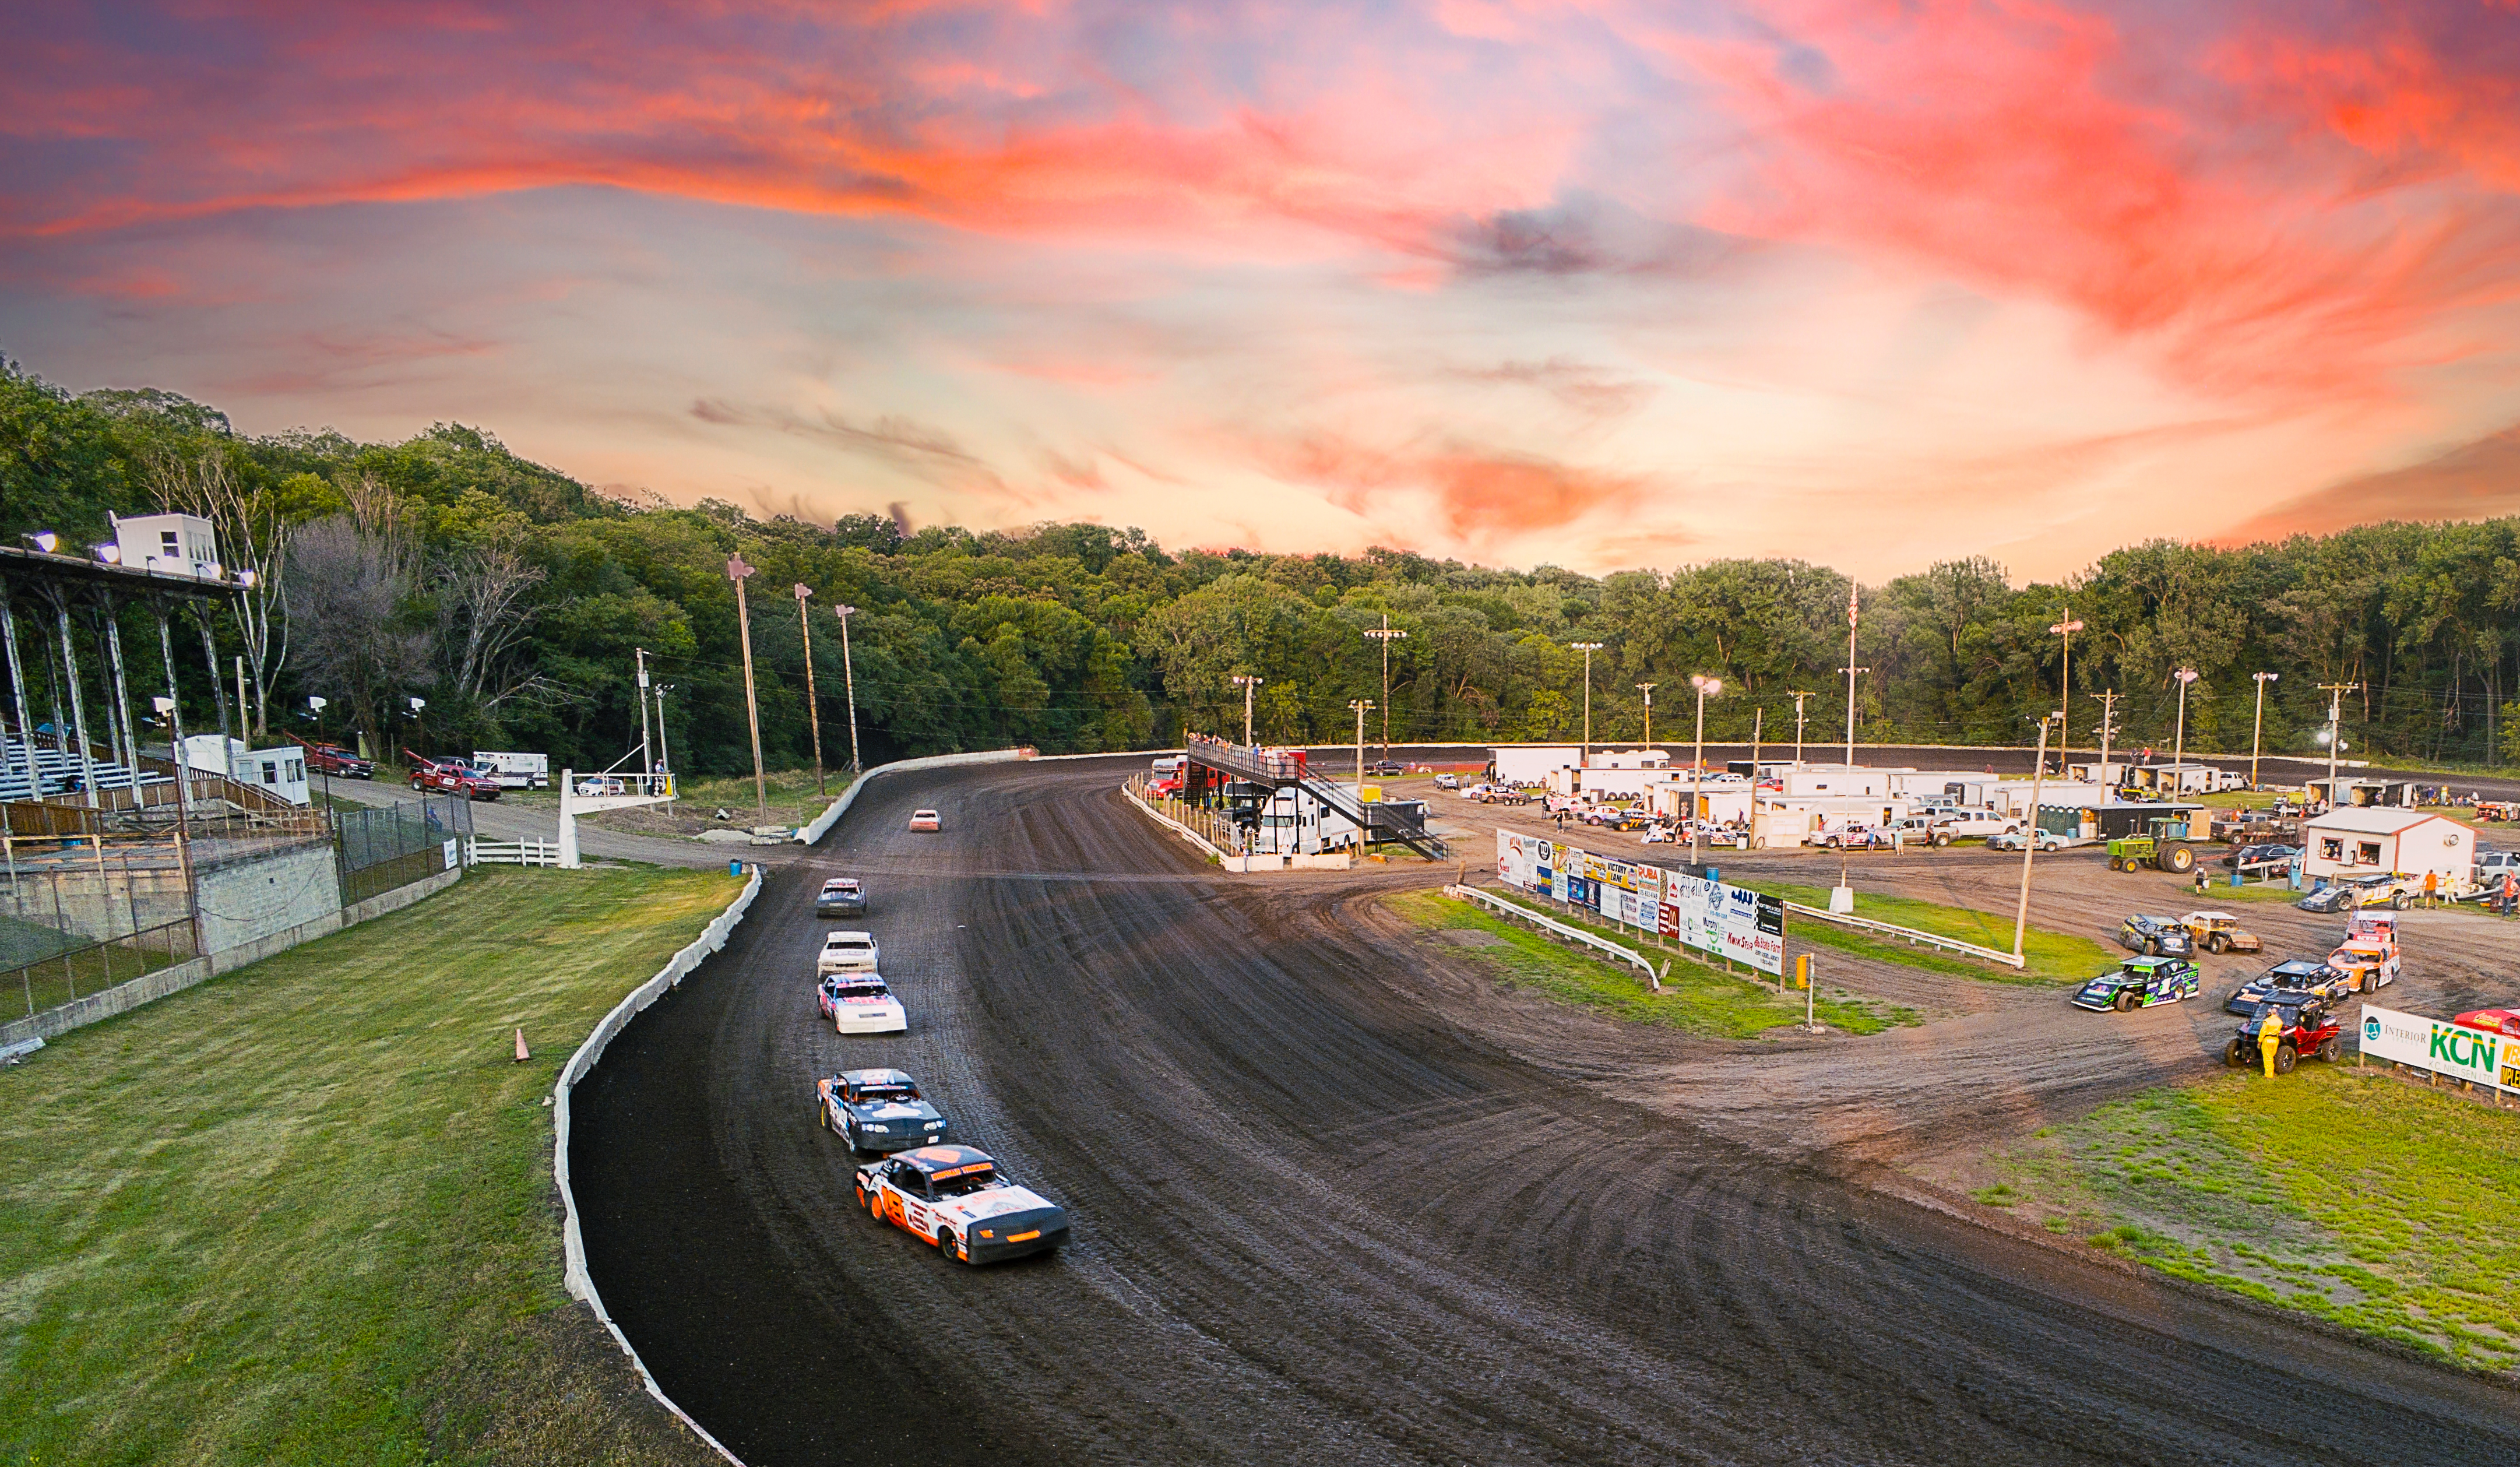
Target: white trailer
{"points": [[514, 771], [1528, 765]]}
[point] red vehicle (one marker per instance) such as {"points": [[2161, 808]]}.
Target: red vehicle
{"points": [[2497, 1021], [451, 777], [2307, 1026], [333, 760]]}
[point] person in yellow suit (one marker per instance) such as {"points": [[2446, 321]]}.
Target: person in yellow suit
{"points": [[2270, 1037]]}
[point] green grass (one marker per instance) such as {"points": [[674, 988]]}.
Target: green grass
{"points": [[1696, 998], [2345, 1192], [2049, 957], [304, 1213]]}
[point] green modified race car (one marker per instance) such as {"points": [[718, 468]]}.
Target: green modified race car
{"points": [[2139, 983]]}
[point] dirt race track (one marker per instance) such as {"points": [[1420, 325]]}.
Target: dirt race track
{"points": [[1334, 1202]]}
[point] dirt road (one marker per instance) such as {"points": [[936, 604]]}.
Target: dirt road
{"points": [[1336, 1202]]}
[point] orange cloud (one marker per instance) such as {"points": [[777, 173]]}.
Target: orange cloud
{"points": [[1480, 497], [2478, 481]]}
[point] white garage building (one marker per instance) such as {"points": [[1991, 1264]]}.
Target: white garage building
{"points": [[2362, 841]]}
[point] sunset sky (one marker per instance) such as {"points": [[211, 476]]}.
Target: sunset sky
{"points": [[1605, 284]]}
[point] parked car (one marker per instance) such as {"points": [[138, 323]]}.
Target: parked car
{"points": [[1857, 838], [1448, 781], [841, 896], [2139, 983], [333, 760], [2220, 932], [1385, 769], [2292, 975], [2263, 860], [1969, 824], [2493, 865], [877, 1110], [2158, 937], [926, 820], [956, 1197], [595, 786], [452, 777], [2014, 839], [2306, 1026]]}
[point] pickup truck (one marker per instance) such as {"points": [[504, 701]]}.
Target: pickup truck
{"points": [[1975, 824], [451, 777]]}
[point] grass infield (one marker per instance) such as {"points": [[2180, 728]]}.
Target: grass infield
{"points": [[2346, 1193], [304, 1213], [2049, 957], [1696, 998]]}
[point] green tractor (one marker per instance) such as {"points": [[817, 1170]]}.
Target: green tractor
{"points": [[2164, 848]]}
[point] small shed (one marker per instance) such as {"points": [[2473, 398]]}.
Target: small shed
{"points": [[2357, 791], [2365, 841]]}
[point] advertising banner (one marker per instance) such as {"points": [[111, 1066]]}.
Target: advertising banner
{"points": [[1720, 920], [2445, 1048]]}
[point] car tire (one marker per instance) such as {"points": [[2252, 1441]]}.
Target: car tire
{"points": [[951, 1246], [873, 1202], [2124, 1001], [2233, 1055], [2215, 944], [2398, 904], [2286, 1057]]}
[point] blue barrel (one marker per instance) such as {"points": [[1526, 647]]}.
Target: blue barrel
{"points": [[735, 868]]}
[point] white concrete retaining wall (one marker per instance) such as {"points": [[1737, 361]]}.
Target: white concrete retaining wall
{"points": [[573, 1240], [821, 825]]}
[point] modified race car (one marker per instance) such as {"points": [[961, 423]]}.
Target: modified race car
{"points": [[2139, 983], [954, 1197], [878, 1111], [2365, 964], [2307, 1028], [861, 1003], [2293, 977], [2160, 937], [2220, 932]]}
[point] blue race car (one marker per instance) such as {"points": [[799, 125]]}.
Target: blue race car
{"points": [[2288, 981], [2139, 983], [2158, 936], [877, 1110]]}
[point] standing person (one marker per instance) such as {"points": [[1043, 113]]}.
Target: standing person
{"points": [[2510, 892], [2432, 889]]}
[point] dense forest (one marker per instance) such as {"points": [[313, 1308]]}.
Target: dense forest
{"points": [[511, 597]]}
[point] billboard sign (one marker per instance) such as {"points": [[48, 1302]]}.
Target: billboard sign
{"points": [[2443, 1047], [1720, 920]]}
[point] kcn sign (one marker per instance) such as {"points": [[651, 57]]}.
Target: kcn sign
{"points": [[2427, 1043]]}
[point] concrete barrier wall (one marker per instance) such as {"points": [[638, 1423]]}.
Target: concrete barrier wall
{"points": [[122, 998], [581, 1284], [821, 825], [242, 902]]}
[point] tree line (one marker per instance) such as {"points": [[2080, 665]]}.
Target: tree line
{"points": [[511, 597]]}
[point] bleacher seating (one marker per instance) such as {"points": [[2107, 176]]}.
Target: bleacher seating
{"points": [[58, 771]]}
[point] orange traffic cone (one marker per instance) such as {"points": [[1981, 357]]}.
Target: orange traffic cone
{"points": [[522, 1054]]}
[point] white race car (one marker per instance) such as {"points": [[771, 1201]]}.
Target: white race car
{"points": [[849, 952], [951, 1196], [861, 1003]]}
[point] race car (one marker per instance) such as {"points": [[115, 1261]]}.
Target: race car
{"points": [[2378, 890], [2365, 964], [2291, 977], [861, 1003], [2492, 1021], [848, 953], [2220, 932], [1448, 781], [926, 820], [954, 1197], [2161, 936], [2307, 1028], [2381, 925], [841, 896], [877, 1110], [2139, 983]]}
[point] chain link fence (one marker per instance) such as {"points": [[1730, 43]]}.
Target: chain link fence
{"points": [[381, 850]]}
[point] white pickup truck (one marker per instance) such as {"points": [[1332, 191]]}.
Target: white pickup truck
{"points": [[1962, 825]]}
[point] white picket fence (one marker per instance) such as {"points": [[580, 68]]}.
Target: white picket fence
{"points": [[513, 852]]}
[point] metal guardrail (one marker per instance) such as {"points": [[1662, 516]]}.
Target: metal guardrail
{"points": [[1907, 934], [1551, 923]]}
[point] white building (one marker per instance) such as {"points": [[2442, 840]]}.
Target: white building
{"points": [[2366, 841], [1836, 779], [168, 544], [274, 771], [1531, 764]]}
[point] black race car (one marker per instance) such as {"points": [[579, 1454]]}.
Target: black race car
{"points": [[841, 896], [2139, 981], [2293, 978], [2159, 937], [877, 1110]]}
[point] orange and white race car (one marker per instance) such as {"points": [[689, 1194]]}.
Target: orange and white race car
{"points": [[954, 1197]]}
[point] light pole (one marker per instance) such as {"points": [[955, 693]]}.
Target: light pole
{"points": [[2258, 723], [1248, 683], [2108, 731], [645, 758], [1798, 724], [1705, 686], [2030, 847], [1386, 635], [1647, 688], [664, 755], [1853, 613], [1587, 649], [315, 706], [1362, 707], [2066, 699], [812, 710], [2178, 741], [737, 570], [849, 671], [2334, 739]]}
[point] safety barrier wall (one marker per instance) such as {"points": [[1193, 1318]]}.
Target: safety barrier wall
{"points": [[821, 825], [580, 1284], [1172, 825], [1517, 910], [1909, 935]]}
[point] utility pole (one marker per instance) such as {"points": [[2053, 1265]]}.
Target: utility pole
{"points": [[2336, 692], [1587, 649], [2066, 699], [1698, 763], [1248, 683], [2178, 741], [2108, 730], [1758, 728], [647, 756], [737, 570], [2030, 847], [1850, 669], [812, 710], [665, 755], [849, 669], [2258, 723], [1647, 688], [1386, 635], [1362, 707], [1798, 724]]}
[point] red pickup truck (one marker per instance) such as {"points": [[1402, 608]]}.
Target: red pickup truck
{"points": [[451, 777], [336, 760]]}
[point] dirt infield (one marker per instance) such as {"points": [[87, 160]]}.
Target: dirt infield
{"points": [[1337, 1201]]}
